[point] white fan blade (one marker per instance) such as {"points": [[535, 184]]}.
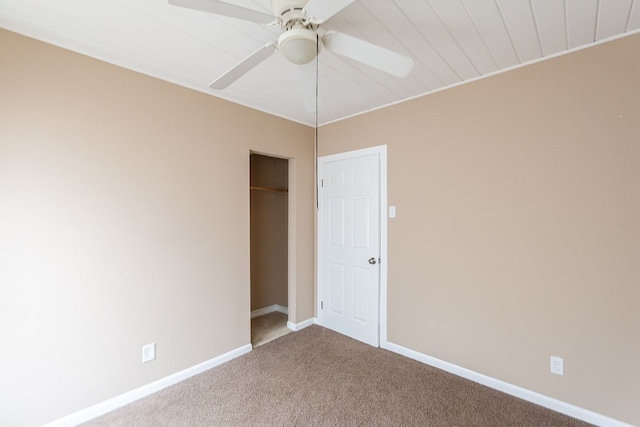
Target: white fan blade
{"points": [[225, 9], [322, 10], [367, 53], [309, 85], [243, 67]]}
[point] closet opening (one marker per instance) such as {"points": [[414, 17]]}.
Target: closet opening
{"points": [[269, 223]]}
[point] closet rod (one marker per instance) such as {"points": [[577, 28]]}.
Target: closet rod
{"points": [[277, 190]]}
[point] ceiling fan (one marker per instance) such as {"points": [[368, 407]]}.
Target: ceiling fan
{"points": [[301, 40]]}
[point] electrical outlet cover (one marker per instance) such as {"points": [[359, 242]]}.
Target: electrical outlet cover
{"points": [[148, 352], [557, 365]]}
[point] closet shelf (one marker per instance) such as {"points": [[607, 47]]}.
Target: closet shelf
{"points": [[276, 190]]}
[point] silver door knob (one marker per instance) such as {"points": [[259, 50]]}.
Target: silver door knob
{"points": [[372, 261]]}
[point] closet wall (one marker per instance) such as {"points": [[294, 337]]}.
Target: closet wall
{"points": [[269, 222]]}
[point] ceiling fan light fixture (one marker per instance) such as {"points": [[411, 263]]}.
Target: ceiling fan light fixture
{"points": [[298, 45]]}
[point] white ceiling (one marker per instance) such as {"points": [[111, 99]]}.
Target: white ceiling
{"points": [[450, 41]]}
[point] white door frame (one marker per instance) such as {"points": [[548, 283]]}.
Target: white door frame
{"points": [[381, 151]]}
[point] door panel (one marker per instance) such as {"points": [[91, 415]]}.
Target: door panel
{"points": [[361, 282], [336, 208], [337, 289], [361, 223]]}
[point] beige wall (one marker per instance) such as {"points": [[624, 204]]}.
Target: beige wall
{"points": [[269, 240], [124, 220], [517, 234]]}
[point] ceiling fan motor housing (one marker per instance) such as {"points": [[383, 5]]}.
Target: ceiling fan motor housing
{"points": [[288, 11]]}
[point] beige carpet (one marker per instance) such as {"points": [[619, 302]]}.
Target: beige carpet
{"points": [[316, 377], [268, 327]]}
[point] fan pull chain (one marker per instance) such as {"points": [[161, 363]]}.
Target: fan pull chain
{"points": [[316, 124]]}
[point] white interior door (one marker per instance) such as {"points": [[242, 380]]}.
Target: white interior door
{"points": [[350, 245]]}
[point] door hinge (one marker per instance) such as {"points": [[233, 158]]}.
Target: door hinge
{"points": [[321, 305], [322, 183]]}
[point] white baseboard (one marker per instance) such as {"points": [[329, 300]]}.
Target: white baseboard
{"points": [[270, 309], [522, 393], [146, 390], [301, 325]]}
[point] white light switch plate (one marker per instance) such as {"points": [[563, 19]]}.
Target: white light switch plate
{"points": [[392, 211]]}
